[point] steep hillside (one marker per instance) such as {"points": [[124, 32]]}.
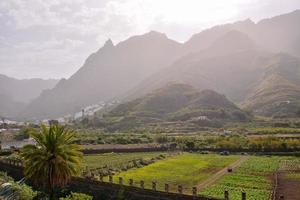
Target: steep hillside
{"points": [[236, 66], [277, 94], [172, 103], [231, 65], [109, 72]]}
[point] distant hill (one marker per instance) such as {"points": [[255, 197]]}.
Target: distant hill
{"points": [[174, 102], [8, 107], [16, 93], [232, 59]]}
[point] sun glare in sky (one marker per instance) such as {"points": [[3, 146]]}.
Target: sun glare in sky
{"points": [[59, 35], [193, 11]]}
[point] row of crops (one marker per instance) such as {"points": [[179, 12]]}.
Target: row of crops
{"points": [[254, 177], [111, 163], [186, 170]]}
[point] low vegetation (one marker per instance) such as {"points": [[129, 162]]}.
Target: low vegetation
{"points": [[12, 190], [187, 169], [254, 177], [76, 196], [110, 163]]}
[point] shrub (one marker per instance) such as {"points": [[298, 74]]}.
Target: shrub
{"points": [[17, 191], [161, 139], [77, 196], [4, 177], [5, 153]]}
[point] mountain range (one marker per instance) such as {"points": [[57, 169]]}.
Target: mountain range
{"points": [[16, 93], [256, 65]]}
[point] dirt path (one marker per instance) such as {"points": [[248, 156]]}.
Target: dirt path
{"points": [[220, 173], [289, 188]]}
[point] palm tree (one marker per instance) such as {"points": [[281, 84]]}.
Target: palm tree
{"points": [[54, 158]]}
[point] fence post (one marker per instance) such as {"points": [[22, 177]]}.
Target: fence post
{"points": [[130, 182], [142, 184], [226, 195], [179, 189], [194, 191], [167, 188], [110, 178], [120, 181], [154, 185], [243, 195]]}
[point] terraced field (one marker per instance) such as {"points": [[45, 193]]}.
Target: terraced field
{"points": [[187, 169]]}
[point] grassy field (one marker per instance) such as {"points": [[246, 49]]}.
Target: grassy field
{"points": [[116, 161], [253, 177], [187, 169]]}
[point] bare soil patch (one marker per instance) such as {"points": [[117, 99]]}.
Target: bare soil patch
{"points": [[288, 187]]}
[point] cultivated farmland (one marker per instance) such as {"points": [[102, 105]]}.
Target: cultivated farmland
{"points": [[187, 169], [115, 162], [254, 177], [252, 174]]}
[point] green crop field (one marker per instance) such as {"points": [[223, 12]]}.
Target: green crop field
{"points": [[187, 169], [253, 177], [117, 161]]}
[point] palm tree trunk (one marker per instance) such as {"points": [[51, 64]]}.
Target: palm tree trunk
{"points": [[51, 191]]}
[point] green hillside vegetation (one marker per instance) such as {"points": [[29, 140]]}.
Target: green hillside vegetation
{"points": [[174, 103], [278, 93]]}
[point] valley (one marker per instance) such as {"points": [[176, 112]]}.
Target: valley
{"points": [[215, 117]]}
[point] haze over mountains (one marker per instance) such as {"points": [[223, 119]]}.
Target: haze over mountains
{"points": [[254, 64], [15, 93]]}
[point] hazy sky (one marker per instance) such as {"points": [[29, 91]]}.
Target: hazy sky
{"points": [[52, 38]]}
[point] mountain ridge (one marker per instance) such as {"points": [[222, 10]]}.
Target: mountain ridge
{"points": [[115, 71]]}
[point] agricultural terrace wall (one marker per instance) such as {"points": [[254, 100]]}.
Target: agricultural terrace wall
{"points": [[104, 190]]}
